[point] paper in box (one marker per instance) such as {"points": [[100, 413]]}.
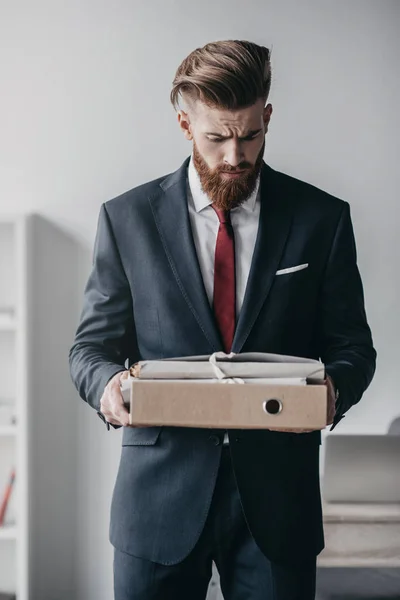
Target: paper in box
{"points": [[228, 391]]}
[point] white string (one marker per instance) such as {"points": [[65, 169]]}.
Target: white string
{"points": [[218, 372]]}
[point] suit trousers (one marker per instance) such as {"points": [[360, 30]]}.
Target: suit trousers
{"points": [[245, 572]]}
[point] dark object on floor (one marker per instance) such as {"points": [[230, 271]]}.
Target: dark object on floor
{"points": [[358, 584], [394, 427]]}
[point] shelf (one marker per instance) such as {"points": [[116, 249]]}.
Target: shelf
{"points": [[8, 532], [8, 430], [7, 322]]}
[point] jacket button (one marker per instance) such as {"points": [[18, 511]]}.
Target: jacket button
{"points": [[214, 439]]}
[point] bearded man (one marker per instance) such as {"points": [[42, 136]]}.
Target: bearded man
{"points": [[225, 254]]}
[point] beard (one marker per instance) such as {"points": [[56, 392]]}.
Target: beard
{"points": [[227, 193]]}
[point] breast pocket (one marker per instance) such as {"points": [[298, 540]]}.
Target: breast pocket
{"points": [[293, 279], [294, 293], [291, 270]]}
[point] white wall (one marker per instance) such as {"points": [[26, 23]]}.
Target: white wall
{"points": [[85, 115]]}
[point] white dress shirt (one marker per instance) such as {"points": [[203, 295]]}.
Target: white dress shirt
{"points": [[205, 224]]}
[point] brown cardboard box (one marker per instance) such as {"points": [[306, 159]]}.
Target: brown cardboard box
{"points": [[227, 406]]}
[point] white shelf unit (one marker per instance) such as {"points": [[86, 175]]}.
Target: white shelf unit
{"points": [[13, 438], [7, 323], [8, 533], [8, 430], [39, 268]]}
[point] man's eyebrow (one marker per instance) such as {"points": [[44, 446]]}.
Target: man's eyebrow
{"points": [[218, 135]]}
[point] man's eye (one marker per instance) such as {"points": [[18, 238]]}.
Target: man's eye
{"points": [[246, 139]]}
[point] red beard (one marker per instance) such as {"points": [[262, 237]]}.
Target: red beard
{"points": [[227, 193]]}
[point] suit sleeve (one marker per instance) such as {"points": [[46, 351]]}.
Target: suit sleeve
{"points": [[345, 337], [106, 329]]}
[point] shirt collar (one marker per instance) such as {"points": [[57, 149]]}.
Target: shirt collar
{"points": [[200, 198]]}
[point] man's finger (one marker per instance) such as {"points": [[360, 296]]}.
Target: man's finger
{"points": [[117, 404], [113, 421], [331, 405], [120, 413]]}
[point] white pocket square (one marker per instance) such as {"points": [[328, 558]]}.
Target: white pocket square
{"points": [[292, 269]]}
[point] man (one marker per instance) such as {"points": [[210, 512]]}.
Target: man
{"points": [[190, 264]]}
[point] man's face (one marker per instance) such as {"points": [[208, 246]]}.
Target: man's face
{"points": [[228, 149]]}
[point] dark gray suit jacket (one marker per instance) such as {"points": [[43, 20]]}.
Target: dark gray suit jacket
{"points": [[145, 299]]}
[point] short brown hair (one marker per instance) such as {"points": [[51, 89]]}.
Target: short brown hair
{"points": [[228, 74]]}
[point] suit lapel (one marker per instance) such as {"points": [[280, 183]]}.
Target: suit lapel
{"points": [[170, 211], [273, 230]]}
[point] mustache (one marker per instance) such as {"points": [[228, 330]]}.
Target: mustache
{"points": [[242, 167]]}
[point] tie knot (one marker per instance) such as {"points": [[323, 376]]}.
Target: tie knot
{"points": [[223, 215]]}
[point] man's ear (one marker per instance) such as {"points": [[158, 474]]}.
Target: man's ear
{"points": [[267, 116], [184, 124]]}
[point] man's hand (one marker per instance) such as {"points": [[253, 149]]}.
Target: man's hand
{"points": [[331, 400], [112, 404], [331, 409]]}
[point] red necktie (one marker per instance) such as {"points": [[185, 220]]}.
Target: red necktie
{"points": [[224, 279]]}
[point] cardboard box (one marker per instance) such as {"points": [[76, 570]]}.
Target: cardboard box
{"points": [[227, 406]]}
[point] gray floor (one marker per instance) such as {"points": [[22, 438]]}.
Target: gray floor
{"points": [[345, 584]]}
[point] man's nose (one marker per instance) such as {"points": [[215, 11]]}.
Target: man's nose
{"points": [[234, 155]]}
